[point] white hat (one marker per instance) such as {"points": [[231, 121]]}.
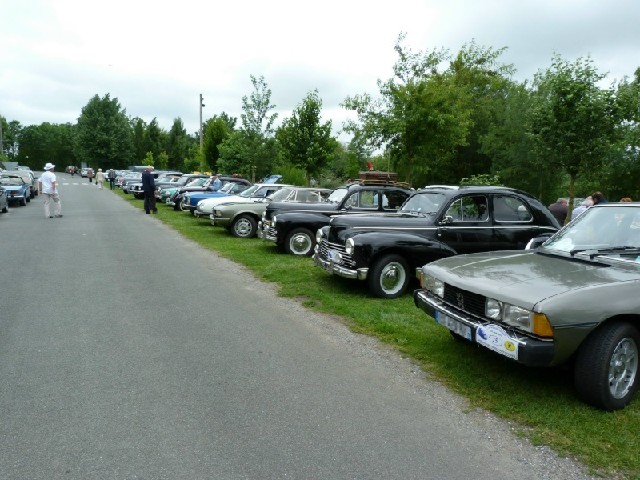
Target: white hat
{"points": [[49, 166]]}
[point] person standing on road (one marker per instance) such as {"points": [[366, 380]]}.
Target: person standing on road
{"points": [[48, 187], [111, 176], [90, 175], [149, 189], [99, 178]]}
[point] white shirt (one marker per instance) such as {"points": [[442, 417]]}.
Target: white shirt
{"points": [[46, 180]]}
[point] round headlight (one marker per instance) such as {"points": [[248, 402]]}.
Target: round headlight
{"points": [[349, 246], [493, 309], [318, 234]]}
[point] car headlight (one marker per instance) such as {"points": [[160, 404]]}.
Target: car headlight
{"points": [[217, 213], [319, 235], [493, 309], [350, 246], [517, 317], [274, 220], [433, 284]]}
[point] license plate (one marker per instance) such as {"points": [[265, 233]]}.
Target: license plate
{"points": [[454, 325]]}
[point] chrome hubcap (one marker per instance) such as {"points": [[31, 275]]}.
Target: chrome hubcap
{"points": [[300, 244], [393, 277], [623, 368], [243, 227]]}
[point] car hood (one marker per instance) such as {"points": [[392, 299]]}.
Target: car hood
{"points": [[529, 277]]}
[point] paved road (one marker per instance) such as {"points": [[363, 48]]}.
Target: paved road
{"points": [[127, 352]]}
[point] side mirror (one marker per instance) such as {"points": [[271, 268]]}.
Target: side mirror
{"points": [[447, 220], [535, 242]]}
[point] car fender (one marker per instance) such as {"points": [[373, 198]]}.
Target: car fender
{"points": [[300, 219], [415, 249]]}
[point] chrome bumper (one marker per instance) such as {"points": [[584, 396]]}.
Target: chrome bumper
{"points": [[336, 269]]}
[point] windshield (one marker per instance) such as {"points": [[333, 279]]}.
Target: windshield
{"points": [[11, 181], [337, 195], [600, 228], [249, 191], [428, 202], [280, 195]]}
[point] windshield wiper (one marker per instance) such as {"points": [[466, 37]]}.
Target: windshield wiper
{"points": [[594, 252]]}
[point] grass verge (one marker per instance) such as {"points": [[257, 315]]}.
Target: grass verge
{"points": [[541, 402]]}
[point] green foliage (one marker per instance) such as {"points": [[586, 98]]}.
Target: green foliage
{"points": [[46, 143], [292, 175], [216, 131], [103, 134], [304, 141], [177, 146], [573, 119], [482, 179], [251, 150]]}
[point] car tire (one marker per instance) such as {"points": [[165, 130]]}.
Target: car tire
{"points": [[389, 276], [244, 226], [5, 209], [606, 367], [183, 208], [23, 202], [300, 241]]}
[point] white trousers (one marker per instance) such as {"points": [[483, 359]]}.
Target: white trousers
{"points": [[57, 206]]}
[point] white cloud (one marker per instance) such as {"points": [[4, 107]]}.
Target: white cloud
{"points": [[156, 58]]}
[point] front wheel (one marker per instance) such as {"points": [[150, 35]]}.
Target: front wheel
{"points": [[244, 226], [606, 366], [300, 241], [389, 276], [23, 202]]}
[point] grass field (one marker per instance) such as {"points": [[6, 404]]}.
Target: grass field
{"points": [[541, 402]]}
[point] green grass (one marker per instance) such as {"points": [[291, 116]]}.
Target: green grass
{"points": [[541, 402]]}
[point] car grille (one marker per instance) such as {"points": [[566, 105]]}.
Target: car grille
{"points": [[323, 251], [472, 303]]}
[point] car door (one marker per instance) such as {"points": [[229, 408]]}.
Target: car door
{"points": [[466, 225], [513, 221]]}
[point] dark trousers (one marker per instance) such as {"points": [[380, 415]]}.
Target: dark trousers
{"points": [[111, 183], [150, 202]]}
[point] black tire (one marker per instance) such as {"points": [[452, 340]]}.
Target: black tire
{"points": [[606, 367], [5, 209], [28, 199], [389, 276], [23, 202], [244, 226], [300, 241]]}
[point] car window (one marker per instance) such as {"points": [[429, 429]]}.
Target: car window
{"points": [[393, 200], [510, 209], [470, 208]]}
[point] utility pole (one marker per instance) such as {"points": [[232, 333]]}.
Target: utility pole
{"points": [[201, 105]]}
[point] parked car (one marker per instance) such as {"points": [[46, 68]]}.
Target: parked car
{"points": [[29, 178], [190, 200], [436, 222], [237, 185], [15, 188], [574, 300], [4, 203], [293, 227], [241, 217], [160, 178], [162, 188], [173, 196], [259, 191]]}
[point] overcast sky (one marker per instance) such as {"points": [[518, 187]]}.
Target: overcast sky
{"points": [[157, 57]]}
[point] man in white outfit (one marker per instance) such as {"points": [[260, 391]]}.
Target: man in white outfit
{"points": [[48, 187]]}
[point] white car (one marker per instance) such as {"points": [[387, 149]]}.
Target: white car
{"points": [[259, 190]]}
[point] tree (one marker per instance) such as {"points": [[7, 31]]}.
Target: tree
{"points": [[177, 147], [139, 147], [216, 130], [153, 139], [104, 134], [38, 144], [251, 150], [303, 140], [573, 120], [420, 118]]}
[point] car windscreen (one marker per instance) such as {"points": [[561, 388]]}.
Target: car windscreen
{"points": [[428, 202]]}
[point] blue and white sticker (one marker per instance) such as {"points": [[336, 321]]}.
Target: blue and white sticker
{"points": [[495, 338]]}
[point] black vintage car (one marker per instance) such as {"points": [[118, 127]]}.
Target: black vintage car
{"points": [[436, 222], [293, 226]]}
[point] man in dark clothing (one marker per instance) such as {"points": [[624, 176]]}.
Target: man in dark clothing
{"points": [[111, 176], [559, 210], [149, 188]]}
